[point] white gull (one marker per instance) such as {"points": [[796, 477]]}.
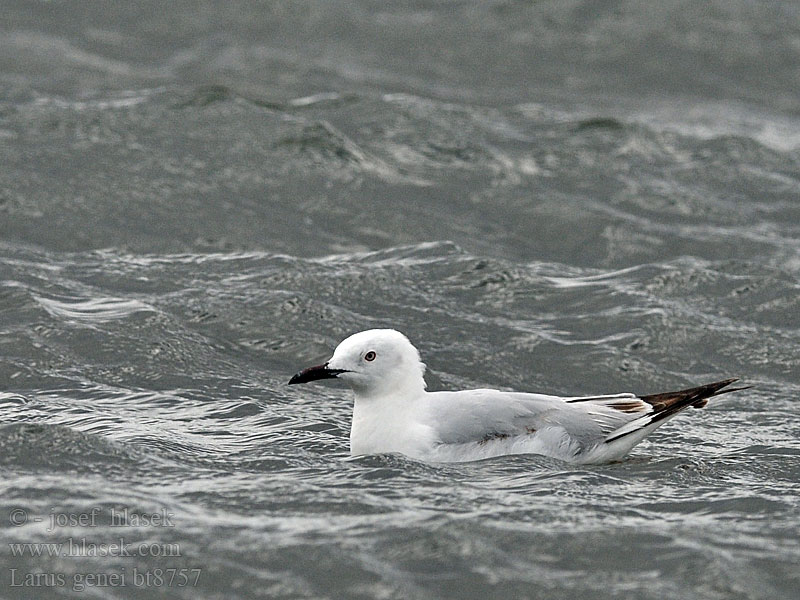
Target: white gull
{"points": [[394, 413]]}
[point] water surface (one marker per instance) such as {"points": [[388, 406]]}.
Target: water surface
{"points": [[198, 200]]}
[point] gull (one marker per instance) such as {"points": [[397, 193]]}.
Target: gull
{"points": [[394, 413]]}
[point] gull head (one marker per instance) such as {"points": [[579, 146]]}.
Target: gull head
{"points": [[375, 363]]}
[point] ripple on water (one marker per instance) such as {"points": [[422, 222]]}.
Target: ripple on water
{"points": [[92, 310]]}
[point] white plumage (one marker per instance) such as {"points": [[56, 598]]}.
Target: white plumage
{"points": [[394, 413]]}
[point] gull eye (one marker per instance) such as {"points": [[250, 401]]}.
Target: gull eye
{"points": [[370, 356]]}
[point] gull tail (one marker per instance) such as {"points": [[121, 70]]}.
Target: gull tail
{"points": [[667, 405]]}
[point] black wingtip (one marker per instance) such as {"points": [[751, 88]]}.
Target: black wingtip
{"points": [[690, 396], [735, 389], [668, 404]]}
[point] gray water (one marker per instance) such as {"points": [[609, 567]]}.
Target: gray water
{"points": [[199, 199]]}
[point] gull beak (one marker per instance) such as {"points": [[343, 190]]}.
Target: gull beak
{"points": [[315, 373]]}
